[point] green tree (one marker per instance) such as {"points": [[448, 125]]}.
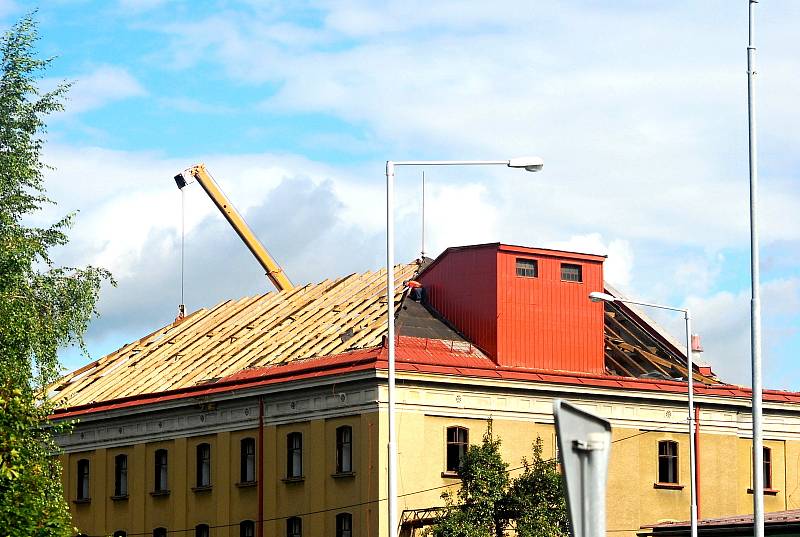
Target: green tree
{"points": [[490, 503], [43, 307]]}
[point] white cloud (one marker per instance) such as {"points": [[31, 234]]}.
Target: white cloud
{"points": [[103, 85], [193, 106], [723, 321], [638, 147]]}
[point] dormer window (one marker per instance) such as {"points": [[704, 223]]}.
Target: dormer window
{"points": [[527, 268], [571, 273]]}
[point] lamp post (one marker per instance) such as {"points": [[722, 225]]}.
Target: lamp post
{"points": [[755, 300], [531, 164], [605, 297]]}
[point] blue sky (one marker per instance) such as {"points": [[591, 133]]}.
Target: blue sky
{"points": [[638, 108]]}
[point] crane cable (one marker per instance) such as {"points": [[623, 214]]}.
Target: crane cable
{"points": [[182, 306]]}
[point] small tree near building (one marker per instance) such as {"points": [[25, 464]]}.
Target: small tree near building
{"points": [[491, 504], [42, 306]]}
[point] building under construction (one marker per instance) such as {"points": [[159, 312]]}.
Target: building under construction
{"points": [[267, 415], [272, 408]]}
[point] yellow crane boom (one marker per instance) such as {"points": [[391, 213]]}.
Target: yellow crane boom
{"points": [[274, 271]]}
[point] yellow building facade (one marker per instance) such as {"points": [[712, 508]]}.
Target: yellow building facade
{"points": [[429, 404]]}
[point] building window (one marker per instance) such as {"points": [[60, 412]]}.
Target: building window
{"points": [[247, 528], [160, 484], [121, 475], [247, 455], [767, 468], [294, 455], [457, 442], [527, 268], [160, 532], [294, 527], [120, 533], [201, 530], [667, 461], [344, 449], [571, 273], [203, 465], [344, 525], [83, 479]]}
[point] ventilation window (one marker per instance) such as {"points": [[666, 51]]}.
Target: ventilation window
{"points": [[571, 273], [527, 268]]}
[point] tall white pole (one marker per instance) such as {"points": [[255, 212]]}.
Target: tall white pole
{"points": [[755, 303], [392, 446], [692, 427]]}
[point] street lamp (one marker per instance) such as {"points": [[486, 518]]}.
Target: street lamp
{"points": [[605, 297], [531, 164]]}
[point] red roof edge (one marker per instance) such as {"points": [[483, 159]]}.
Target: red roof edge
{"points": [[420, 355]]}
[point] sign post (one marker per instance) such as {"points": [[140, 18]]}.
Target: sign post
{"points": [[584, 443]]}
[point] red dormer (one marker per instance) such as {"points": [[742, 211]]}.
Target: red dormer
{"points": [[524, 307]]}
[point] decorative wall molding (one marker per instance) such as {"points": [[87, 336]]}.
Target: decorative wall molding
{"points": [[435, 395]]}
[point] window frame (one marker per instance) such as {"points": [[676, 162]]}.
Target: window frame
{"points": [[202, 530], [160, 532], [161, 467], [344, 525], [247, 460], [767, 465], [522, 271], [290, 530], [294, 455], [459, 447], [672, 460], [247, 528], [84, 482], [571, 266], [121, 475], [203, 465], [344, 449], [120, 533]]}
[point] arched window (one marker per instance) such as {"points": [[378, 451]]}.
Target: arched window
{"points": [[667, 461], [120, 533], [160, 484], [294, 455], [83, 479], [294, 527], [160, 532], [248, 460], [121, 476], [344, 449], [201, 530], [344, 525], [247, 528], [457, 443], [203, 465]]}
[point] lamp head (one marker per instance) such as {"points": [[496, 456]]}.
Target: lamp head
{"points": [[597, 296], [531, 164]]}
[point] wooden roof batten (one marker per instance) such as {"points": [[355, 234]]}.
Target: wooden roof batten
{"points": [[270, 329], [325, 319]]}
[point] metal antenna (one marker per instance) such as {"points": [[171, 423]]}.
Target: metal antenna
{"points": [[422, 251], [755, 302]]}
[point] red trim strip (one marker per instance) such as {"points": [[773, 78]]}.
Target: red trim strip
{"points": [[414, 355]]}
